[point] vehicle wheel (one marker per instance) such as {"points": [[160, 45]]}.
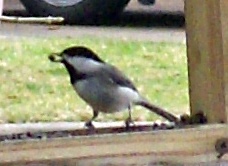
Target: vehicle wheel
{"points": [[76, 11]]}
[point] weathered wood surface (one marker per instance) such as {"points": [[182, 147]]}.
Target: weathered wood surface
{"points": [[102, 127], [207, 45], [188, 146], [45, 20]]}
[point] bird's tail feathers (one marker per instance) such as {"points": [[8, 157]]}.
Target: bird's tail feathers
{"points": [[158, 110]]}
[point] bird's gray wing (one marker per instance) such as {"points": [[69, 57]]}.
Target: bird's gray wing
{"points": [[117, 77]]}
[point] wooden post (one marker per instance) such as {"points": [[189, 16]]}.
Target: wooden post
{"points": [[207, 49]]}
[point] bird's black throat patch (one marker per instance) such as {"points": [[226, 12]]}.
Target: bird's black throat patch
{"points": [[74, 74]]}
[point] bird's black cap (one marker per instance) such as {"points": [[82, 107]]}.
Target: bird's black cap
{"points": [[81, 51]]}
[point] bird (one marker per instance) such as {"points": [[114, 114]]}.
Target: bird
{"points": [[102, 85]]}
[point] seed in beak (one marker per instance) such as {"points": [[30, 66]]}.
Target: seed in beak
{"points": [[53, 57]]}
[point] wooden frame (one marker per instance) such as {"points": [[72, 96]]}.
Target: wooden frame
{"points": [[207, 49], [189, 146], [207, 44]]}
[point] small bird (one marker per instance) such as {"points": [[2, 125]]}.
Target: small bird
{"points": [[101, 85]]}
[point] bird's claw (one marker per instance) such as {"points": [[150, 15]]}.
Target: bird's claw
{"points": [[89, 125], [128, 123]]}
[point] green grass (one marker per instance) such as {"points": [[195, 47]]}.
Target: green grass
{"points": [[33, 89]]}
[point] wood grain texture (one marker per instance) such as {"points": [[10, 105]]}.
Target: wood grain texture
{"points": [[78, 127], [224, 24], [207, 59], [188, 146]]}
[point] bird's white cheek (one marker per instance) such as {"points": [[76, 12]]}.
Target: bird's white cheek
{"points": [[84, 64]]}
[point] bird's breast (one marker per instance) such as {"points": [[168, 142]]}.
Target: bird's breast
{"points": [[103, 97]]}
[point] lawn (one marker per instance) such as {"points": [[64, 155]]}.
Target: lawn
{"points": [[33, 89]]}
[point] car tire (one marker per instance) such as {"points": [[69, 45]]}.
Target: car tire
{"points": [[80, 12]]}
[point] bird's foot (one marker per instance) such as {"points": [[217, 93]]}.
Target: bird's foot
{"points": [[89, 125], [128, 123]]}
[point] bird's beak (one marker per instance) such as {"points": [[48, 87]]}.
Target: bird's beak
{"points": [[55, 57]]}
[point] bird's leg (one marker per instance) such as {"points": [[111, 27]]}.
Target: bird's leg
{"points": [[129, 120], [89, 123]]}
